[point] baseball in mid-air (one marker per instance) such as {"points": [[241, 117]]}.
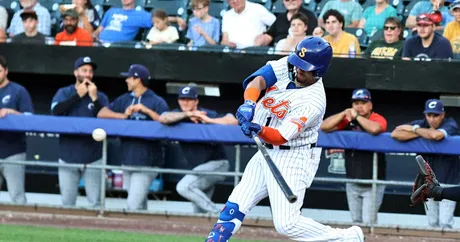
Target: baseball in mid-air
{"points": [[99, 134]]}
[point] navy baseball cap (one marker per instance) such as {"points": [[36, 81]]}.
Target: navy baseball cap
{"points": [[188, 92], [361, 94], [434, 106], [137, 70], [85, 61]]}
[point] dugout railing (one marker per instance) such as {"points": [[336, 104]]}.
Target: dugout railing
{"points": [[223, 134]]}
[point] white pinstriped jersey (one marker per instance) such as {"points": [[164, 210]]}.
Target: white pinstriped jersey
{"points": [[296, 113]]}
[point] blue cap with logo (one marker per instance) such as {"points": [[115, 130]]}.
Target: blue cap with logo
{"points": [[137, 70], [86, 60], [188, 92], [361, 94], [434, 106]]}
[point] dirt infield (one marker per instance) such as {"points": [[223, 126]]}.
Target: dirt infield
{"points": [[156, 225]]}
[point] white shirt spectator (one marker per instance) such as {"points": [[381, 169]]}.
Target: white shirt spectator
{"points": [[169, 35], [242, 29], [3, 18], [44, 21]]}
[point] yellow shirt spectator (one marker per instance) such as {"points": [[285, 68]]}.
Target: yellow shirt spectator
{"points": [[452, 33], [341, 46]]}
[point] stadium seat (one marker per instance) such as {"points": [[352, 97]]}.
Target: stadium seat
{"points": [[266, 3], [408, 8], [360, 34], [171, 7], [278, 7], [376, 36], [218, 8]]}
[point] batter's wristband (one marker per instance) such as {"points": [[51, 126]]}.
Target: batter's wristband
{"points": [[252, 94]]}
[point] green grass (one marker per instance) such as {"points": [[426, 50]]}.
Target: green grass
{"points": [[16, 233]]}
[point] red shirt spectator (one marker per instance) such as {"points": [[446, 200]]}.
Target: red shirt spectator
{"points": [[72, 34]]}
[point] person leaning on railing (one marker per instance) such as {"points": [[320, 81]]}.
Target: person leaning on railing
{"points": [[201, 156], [359, 164], [141, 104], [81, 99], [435, 126], [14, 100]]}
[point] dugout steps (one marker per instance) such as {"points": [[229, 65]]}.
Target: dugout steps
{"points": [[260, 216]]}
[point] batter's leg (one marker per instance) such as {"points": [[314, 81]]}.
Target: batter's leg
{"points": [[15, 178], [299, 171], [251, 189], [138, 190], [68, 184], [92, 179], [192, 187]]}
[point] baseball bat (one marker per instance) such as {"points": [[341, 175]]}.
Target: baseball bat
{"points": [[276, 173]]}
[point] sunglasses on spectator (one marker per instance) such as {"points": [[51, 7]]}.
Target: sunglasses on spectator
{"points": [[389, 27]]}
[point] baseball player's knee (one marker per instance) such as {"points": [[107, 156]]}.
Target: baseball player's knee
{"points": [[229, 222], [287, 226]]}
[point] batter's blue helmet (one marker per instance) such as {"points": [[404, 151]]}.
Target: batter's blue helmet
{"points": [[312, 54]]}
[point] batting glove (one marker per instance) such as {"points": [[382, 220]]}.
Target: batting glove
{"points": [[250, 129], [245, 112]]}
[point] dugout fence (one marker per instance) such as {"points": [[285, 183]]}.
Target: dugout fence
{"points": [[227, 134]]}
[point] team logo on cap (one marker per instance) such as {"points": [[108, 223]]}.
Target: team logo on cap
{"points": [[87, 59], [432, 104], [359, 92], [6, 99], [186, 90]]}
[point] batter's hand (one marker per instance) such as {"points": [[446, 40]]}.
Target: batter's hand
{"points": [[250, 129], [245, 112]]}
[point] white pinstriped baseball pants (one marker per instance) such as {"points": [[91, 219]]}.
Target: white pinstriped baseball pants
{"points": [[298, 168]]}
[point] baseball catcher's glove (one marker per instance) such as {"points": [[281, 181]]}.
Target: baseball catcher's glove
{"points": [[426, 185]]}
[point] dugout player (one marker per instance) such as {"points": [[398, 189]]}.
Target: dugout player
{"points": [[81, 99], [140, 104], [288, 119], [358, 164], [14, 100], [202, 156], [435, 126]]}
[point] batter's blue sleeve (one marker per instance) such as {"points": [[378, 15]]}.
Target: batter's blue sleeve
{"points": [[266, 72], [25, 102]]}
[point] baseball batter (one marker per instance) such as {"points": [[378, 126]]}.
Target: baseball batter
{"points": [[287, 118]]}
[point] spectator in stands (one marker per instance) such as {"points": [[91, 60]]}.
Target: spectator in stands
{"points": [[244, 22], [375, 16], [427, 44], [203, 28], [350, 10], [340, 40], [435, 126], [30, 34], [392, 43], [359, 164], [319, 31], [161, 32], [88, 17], [202, 156], [44, 18], [81, 99], [140, 104], [298, 32], [14, 100], [72, 35], [3, 18], [452, 31], [122, 24], [279, 29], [428, 7]]}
